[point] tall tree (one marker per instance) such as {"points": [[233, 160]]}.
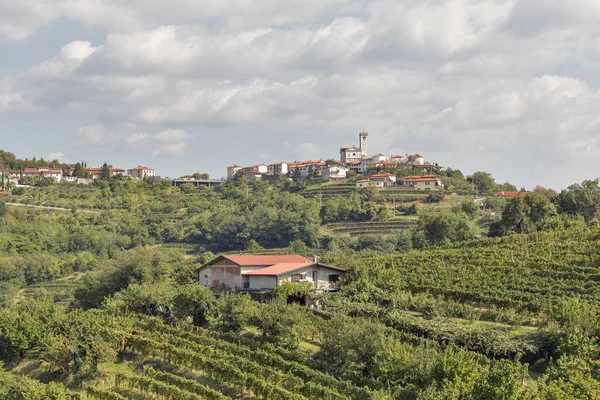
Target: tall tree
{"points": [[106, 171]]}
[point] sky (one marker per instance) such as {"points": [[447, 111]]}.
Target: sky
{"points": [[505, 86]]}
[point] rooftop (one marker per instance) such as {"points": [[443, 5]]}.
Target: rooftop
{"points": [[285, 268], [264, 260]]}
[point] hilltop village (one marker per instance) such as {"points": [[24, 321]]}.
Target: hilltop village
{"points": [[378, 170], [354, 165]]}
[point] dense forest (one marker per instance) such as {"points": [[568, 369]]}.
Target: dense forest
{"points": [[446, 297]]}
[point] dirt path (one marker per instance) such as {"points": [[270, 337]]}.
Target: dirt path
{"points": [[47, 207]]}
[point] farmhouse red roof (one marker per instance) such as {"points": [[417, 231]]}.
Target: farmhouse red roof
{"points": [[266, 260], [278, 269], [140, 168]]}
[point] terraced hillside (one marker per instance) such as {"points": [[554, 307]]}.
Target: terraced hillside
{"points": [[371, 227], [327, 191], [60, 291]]}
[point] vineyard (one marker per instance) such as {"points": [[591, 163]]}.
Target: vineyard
{"points": [[525, 271], [59, 291], [375, 227]]}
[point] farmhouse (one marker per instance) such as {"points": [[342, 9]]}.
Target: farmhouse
{"points": [[141, 172], [425, 182], [378, 180], [260, 275]]}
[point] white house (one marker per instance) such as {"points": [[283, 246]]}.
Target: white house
{"points": [[141, 172], [280, 168], [262, 168], [399, 159], [377, 158], [252, 175], [250, 273], [416, 159], [232, 170], [425, 182], [378, 180], [334, 173], [44, 172], [304, 167]]}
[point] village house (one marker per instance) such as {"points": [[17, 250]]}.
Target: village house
{"points": [[141, 172], [252, 175], [260, 275], [98, 173], [416, 159], [232, 170], [399, 159], [378, 158], [334, 173], [262, 168], [379, 180], [43, 172], [424, 182], [9, 177], [280, 168], [304, 167]]}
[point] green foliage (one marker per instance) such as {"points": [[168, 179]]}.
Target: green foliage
{"points": [[483, 182], [232, 312], [581, 199], [441, 228], [435, 197], [524, 214]]}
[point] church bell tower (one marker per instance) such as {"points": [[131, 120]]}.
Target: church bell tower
{"points": [[362, 139]]}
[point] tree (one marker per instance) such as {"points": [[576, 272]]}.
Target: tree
{"points": [[442, 228], [502, 382], [232, 312], [3, 208], [193, 301], [80, 171], [199, 176], [106, 171], [515, 215], [580, 199], [483, 182]]}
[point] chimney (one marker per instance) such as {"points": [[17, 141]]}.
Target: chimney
{"points": [[314, 258]]}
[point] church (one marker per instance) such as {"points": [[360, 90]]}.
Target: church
{"points": [[353, 154]]}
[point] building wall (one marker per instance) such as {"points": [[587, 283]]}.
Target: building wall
{"points": [[262, 282], [222, 273], [141, 173], [429, 185], [232, 170], [322, 276]]}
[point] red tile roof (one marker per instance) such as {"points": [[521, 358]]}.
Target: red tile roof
{"points": [[286, 268], [278, 269], [266, 260], [140, 168]]}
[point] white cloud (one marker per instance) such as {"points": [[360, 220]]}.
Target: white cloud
{"points": [[441, 77], [170, 149], [307, 150], [56, 156]]}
